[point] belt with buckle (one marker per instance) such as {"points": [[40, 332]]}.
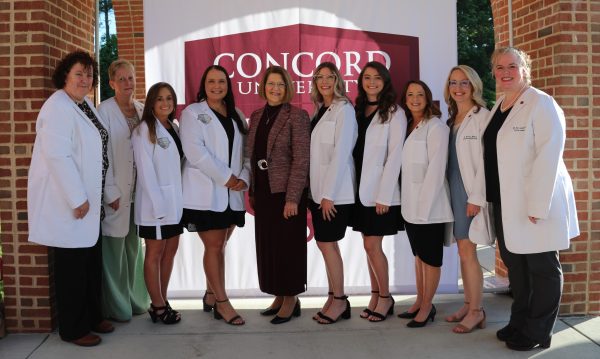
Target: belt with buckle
{"points": [[263, 164]]}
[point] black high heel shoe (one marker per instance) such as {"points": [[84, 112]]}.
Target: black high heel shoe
{"points": [[168, 316], [415, 324], [381, 317], [205, 306], [231, 321], [295, 313], [345, 314], [408, 315], [270, 311], [521, 342]]}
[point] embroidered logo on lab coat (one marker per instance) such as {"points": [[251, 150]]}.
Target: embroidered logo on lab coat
{"points": [[163, 142], [519, 128], [470, 137], [205, 118]]}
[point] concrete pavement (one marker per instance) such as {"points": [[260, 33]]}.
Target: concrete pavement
{"points": [[200, 336]]}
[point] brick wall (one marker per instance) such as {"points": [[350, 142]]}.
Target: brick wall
{"points": [[34, 35], [563, 39], [129, 16]]}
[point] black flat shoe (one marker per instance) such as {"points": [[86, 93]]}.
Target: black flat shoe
{"points": [[205, 306], [506, 333], [408, 315], [521, 342], [296, 313], [415, 324]]}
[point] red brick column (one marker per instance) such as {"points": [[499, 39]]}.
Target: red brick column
{"points": [[563, 40], [34, 35], [129, 15]]}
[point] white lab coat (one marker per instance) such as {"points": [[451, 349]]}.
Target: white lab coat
{"points": [[120, 154], [207, 169], [65, 171], [332, 174], [533, 177], [469, 150], [425, 191], [382, 160], [158, 196]]}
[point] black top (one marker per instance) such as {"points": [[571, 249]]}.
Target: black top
{"points": [[104, 136], [359, 149], [317, 117], [263, 129], [490, 155], [227, 123], [177, 141]]}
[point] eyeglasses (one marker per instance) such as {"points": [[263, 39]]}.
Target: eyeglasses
{"points": [[461, 83], [328, 78], [275, 84]]}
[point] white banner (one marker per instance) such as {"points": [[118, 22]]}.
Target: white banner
{"points": [[413, 40]]}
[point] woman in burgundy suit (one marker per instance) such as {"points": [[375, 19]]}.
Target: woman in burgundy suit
{"points": [[278, 146]]}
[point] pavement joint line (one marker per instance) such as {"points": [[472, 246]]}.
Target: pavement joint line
{"points": [[579, 331], [38, 346]]}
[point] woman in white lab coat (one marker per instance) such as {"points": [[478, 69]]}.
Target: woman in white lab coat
{"points": [[158, 201], [468, 118], [425, 195], [213, 135], [332, 180], [68, 173], [123, 290], [377, 160], [532, 197]]}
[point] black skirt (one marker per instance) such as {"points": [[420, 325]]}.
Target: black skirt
{"points": [[334, 230], [195, 220], [369, 223], [427, 242], [159, 232]]}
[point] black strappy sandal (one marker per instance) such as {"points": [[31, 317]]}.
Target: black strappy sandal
{"points": [[231, 321], [168, 316], [344, 315], [366, 313], [382, 317]]}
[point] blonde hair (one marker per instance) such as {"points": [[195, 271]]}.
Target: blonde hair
{"points": [[287, 80], [339, 90], [476, 88], [522, 57], [117, 64]]}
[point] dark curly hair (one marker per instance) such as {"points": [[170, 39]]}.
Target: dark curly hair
{"points": [[59, 76], [386, 98], [229, 99]]}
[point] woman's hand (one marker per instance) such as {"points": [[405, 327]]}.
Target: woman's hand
{"points": [[231, 182], [472, 210], [239, 186], [381, 208], [82, 210], [290, 209], [115, 204], [328, 209]]}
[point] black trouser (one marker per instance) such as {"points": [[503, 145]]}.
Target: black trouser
{"points": [[78, 281], [536, 282]]}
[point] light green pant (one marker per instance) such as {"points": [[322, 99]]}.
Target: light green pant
{"points": [[124, 292]]}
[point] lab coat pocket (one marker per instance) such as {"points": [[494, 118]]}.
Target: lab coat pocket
{"points": [[418, 171]]}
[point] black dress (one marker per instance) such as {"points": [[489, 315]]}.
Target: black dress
{"points": [[365, 219], [280, 242]]}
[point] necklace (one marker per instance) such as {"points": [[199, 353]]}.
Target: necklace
{"points": [[373, 103], [513, 100]]}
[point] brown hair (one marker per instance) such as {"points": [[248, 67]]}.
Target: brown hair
{"points": [[289, 87], [431, 108], [148, 114]]}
